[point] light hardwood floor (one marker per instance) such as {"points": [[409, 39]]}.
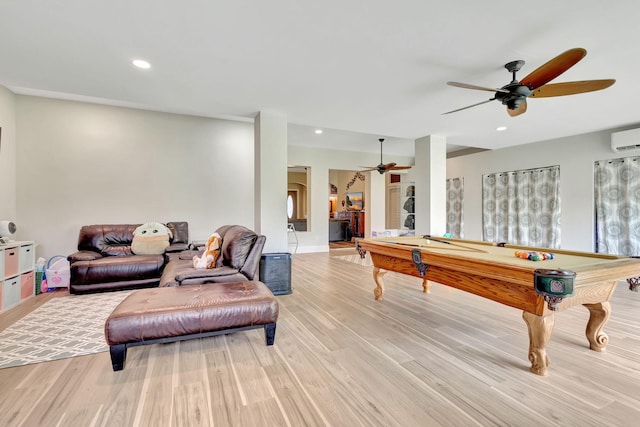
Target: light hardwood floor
{"points": [[342, 359]]}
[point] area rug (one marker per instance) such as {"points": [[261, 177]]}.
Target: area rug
{"points": [[356, 259], [62, 327]]}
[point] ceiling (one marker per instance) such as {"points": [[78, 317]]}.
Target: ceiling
{"points": [[371, 67]]}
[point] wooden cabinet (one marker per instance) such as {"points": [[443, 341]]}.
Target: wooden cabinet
{"points": [[17, 273], [356, 222], [338, 230]]}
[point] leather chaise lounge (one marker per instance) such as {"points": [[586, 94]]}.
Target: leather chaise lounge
{"points": [[186, 306], [239, 260]]}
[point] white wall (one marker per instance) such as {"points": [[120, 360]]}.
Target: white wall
{"points": [[375, 198], [575, 155], [270, 182], [80, 164], [8, 158]]}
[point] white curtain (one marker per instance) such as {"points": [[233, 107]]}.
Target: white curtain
{"points": [[617, 199], [455, 193], [522, 207]]}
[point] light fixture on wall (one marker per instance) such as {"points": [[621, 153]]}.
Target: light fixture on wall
{"points": [[289, 206], [7, 230]]}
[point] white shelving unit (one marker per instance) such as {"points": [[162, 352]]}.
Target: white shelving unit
{"points": [[407, 208], [17, 273]]}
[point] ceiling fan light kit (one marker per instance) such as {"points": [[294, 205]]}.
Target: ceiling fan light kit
{"points": [[514, 95]]}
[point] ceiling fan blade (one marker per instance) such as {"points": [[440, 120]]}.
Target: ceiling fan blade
{"points": [[468, 86], [383, 168], [553, 68], [522, 108], [571, 88], [469, 106], [380, 167]]}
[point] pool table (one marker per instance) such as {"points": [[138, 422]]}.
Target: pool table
{"points": [[494, 271]]}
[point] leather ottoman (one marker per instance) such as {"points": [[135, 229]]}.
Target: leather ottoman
{"points": [[161, 315]]}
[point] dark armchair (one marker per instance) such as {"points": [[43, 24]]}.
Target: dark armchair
{"points": [[239, 260]]}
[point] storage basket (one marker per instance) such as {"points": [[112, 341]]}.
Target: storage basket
{"points": [[58, 272]]}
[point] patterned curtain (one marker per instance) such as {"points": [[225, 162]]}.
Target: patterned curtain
{"points": [[455, 193], [522, 207], [617, 199]]}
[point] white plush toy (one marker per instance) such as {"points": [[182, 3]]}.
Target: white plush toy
{"points": [[151, 238], [210, 254]]}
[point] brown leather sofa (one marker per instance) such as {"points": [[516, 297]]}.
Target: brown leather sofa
{"points": [[104, 260], [239, 260]]}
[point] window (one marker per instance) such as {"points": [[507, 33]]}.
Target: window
{"points": [[522, 207], [617, 206], [455, 194]]}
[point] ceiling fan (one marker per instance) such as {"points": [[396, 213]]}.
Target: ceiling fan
{"points": [[385, 167], [514, 95]]}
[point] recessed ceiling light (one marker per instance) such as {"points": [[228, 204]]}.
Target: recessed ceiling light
{"points": [[318, 131], [501, 128], [141, 63]]}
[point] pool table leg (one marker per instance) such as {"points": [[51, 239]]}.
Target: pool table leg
{"points": [[378, 292], [540, 328], [600, 313], [426, 286]]}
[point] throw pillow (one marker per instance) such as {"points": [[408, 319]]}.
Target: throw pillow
{"points": [[151, 238]]}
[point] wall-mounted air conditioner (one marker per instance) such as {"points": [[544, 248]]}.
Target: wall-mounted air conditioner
{"points": [[627, 141]]}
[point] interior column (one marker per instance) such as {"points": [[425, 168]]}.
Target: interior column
{"points": [[430, 172], [374, 196], [270, 193]]}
